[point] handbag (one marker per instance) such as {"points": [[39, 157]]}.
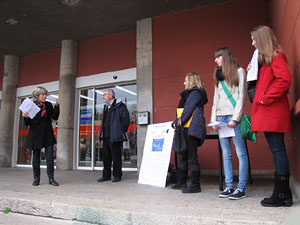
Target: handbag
{"points": [[245, 120], [251, 90], [246, 128], [179, 143]]}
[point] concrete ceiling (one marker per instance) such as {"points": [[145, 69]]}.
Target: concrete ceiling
{"points": [[28, 26]]}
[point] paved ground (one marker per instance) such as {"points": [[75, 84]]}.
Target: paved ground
{"points": [[81, 200]]}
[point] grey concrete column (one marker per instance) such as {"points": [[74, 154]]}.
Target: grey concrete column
{"points": [[144, 78], [7, 112], [65, 132]]}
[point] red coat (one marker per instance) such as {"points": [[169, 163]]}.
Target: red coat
{"points": [[270, 109]]}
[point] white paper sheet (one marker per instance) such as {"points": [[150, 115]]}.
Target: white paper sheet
{"points": [[156, 156], [253, 72], [30, 107], [224, 130]]}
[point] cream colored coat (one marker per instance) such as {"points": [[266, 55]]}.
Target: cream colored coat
{"points": [[221, 104]]}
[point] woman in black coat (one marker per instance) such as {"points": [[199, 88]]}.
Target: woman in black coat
{"points": [[41, 134], [193, 99]]}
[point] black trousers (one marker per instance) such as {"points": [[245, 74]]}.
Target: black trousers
{"points": [[112, 155], [190, 155], [36, 162]]}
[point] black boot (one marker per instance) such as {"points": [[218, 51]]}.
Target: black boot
{"points": [[50, 165], [181, 180], [282, 195], [36, 167], [195, 183]]}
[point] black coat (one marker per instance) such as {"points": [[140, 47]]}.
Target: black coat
{"points": [[119, 122], [41, 133]]}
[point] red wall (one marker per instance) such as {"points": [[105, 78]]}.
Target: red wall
{"points": [[39, 68], [285, 21], [184, 42], [1, 74], [105, 54]]}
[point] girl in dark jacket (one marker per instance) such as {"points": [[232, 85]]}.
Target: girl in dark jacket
{"points": [[41, 134], [193, 99]]}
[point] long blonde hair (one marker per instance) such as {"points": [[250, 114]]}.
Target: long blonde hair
{"points": [[229, 67], [266, 43], [194, 79]]}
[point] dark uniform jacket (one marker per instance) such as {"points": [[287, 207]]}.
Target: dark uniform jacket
{"points": [[119, 121], [41, 133]]}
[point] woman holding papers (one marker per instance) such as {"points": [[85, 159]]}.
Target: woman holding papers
{"points": [[41, 134], [230, 78], [193, 99], [270, 110]]}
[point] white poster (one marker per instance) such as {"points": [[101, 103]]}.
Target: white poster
{"points": [[156, 156]]}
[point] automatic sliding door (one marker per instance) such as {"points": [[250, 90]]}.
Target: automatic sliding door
{"points": [[85, 128]]}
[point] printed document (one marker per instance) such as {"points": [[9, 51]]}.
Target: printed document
{"points": [[253, 72], [224, 130], [30, 107]]}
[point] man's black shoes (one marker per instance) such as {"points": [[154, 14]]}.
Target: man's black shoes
{"points": [[116, 179], [53, 182], [102, 179]]}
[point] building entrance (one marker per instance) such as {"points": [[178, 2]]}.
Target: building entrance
{"points": [[89, 147]]}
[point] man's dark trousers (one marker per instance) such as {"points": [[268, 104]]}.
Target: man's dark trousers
{"points": [[112, 153]]}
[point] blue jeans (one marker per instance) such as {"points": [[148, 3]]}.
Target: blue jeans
{"points": [[277, 146], [241, 152]]}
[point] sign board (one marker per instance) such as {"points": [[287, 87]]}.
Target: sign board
{"points": [[156, 156], [85, 116]]}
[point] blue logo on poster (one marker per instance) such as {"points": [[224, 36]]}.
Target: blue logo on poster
{"points": [[85, 116], [157, 145]]}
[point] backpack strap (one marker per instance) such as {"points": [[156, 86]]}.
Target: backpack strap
{"points": [[227, 92]]}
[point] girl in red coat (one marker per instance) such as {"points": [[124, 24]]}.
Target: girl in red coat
{"points": [[270, 111]]}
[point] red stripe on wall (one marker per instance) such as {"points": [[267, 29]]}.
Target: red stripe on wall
{"points": [[105, 54], [39, 68]]}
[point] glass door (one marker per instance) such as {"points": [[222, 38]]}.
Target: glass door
{"points": [[86, 128], [91, 109]]}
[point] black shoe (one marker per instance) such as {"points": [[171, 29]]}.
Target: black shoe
{"points": [[53, 182], [115, 179], [103, 179], [192, 189], [178, 186], [36, 183], [237, 194], [226, 193]]}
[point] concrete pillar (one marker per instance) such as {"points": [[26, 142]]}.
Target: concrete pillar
{"points": [[7, 112], [65, 132], [144, 78]]}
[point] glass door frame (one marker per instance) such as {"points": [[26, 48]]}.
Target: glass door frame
{"points": [[92, 167]]}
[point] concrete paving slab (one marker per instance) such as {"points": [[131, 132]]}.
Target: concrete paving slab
{"points": [[79, 197]]}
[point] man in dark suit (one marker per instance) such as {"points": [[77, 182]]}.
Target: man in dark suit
{"points": [[113, 132]]}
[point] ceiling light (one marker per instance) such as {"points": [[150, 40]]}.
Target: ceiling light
{"points": [[85, 97], [126, 90], [12, 21], [71, 2]]}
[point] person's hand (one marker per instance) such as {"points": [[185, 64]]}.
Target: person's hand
{"points": [[215, 128], [249, 66], [25, 114], [56, 102], [232, 124], [179, 122]]}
